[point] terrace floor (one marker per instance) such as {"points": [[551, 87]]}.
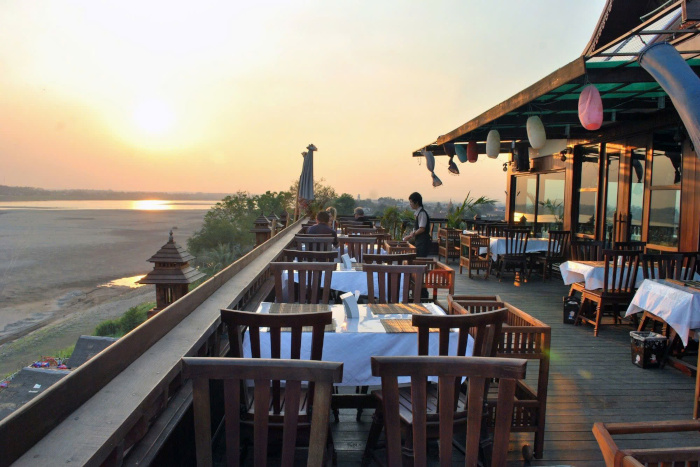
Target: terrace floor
{"points": [[591, 379]]}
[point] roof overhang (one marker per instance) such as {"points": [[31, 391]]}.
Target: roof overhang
{"points": [[628, 92]]}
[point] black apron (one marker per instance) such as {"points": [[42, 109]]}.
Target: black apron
{"points": [[423, 240]]}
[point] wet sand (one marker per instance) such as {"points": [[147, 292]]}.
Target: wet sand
{"points": [[55, 266]]}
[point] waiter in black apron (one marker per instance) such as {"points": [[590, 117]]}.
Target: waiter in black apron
{"points": [[420, 234]]}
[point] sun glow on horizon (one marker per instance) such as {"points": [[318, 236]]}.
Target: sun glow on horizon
{"points": [[151, 205], [154, 116]]}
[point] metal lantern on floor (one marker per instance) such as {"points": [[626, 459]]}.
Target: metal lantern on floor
{"points": [[535, 132], [472, 152], [493, 144], [590, 108]]}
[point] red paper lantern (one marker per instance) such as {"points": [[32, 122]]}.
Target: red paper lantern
{"points": [[590, 108], [472, 152]]}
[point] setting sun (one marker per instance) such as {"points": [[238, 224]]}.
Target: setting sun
{"points": [[154, 117]]}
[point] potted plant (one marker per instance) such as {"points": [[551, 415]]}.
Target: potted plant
{"points": [[470, 206]]}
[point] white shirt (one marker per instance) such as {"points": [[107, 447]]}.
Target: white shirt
{"points": [[422, 217]]}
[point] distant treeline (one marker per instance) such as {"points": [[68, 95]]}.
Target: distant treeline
{"points": [[24, 193]]}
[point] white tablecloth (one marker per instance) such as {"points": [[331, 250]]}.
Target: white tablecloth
{"points": [[356, 340], [679, 306], [345, 281], [592, 273], [534, 245]]}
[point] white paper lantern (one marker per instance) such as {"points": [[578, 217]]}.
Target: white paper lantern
{"points": [[535, 132], [429, 160], [493, 144]]}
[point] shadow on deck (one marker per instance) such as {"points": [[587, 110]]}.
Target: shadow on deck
{"points": [[591, 379]]}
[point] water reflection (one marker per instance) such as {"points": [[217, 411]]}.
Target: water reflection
{"points": [[151, 205], [125, 282]]}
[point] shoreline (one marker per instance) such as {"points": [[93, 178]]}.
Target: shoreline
{"points": [[55, 266]]}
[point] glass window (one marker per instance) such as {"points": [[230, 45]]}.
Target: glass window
{"points": [[613, 153], [666, 158], [664, 217], [588, 190], [525, 199], [637, 193], [550, 212]]}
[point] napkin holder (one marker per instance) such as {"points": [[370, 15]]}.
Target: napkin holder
{"points": [[347, 262], [350, 304]]}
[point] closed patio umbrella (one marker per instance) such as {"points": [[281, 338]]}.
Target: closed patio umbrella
{"points": [[306, 181]]}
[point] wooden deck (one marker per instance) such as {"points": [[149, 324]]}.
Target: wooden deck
{"points": [[591, 379]]}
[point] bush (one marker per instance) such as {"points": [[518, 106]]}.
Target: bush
{"points": [[133, 317]]}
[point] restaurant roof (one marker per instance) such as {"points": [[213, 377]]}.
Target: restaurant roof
{"points": [[628, 91]]}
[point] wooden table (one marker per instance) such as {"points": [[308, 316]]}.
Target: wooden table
{"points": [[354, 341]]}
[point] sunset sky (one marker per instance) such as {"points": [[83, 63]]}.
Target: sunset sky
{"points": [[224, 96]]}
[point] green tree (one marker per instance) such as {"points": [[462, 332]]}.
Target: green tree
{"points": [[344, 204], [395, 221], [228, 222], [274, 202]]}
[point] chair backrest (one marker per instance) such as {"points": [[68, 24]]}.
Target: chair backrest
{"points": [[308, 235], [638, 246], [471, 245], [305, 282], [394, 282], [402, 258], [313, 256], [344, 225], [315, 243], [516, 241], [233, 372], [356, 246], [621, 268], [478, 371], [369, 231], [587, 250], [691, 265], [468, 307], [662, 266], [496, 230], [558, 244], [485, 328]]}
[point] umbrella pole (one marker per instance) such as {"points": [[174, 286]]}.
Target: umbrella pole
{"points": [[296, 208]]}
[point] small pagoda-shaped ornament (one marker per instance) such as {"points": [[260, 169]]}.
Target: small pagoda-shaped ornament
{"points": [[171, 274], [262, 230], [283, 219]]}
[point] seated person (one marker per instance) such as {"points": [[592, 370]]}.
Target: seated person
{"points": [[360, 217], [322, 227]]}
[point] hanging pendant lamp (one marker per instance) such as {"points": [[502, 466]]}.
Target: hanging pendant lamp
{"points": [[436, 181], [590, 108], [493, 144], [452, 166], [472, 152], [461, 151], [535, 132]]}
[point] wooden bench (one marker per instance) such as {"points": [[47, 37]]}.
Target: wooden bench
{"points": [[522, 336]]}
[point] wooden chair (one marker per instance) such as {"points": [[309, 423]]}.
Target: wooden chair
{"points": [[437, 276], [522, 336], [404, 258], [644, 456], [619, 280], [451, 408], [369, 231], [637, 246], [315, 243], [557, 251], [357, 246], [394, 282], [394, 247], [276, 404], [470, 254], [662, 266], [235, 371], [448, 244], [313, 256], [495, 230], [516, 246], [312, 284], [484, 329], [344, 225], [585, 250], [691, 265]]}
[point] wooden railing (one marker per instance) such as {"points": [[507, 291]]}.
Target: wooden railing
{"points": [[118, 407]]}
